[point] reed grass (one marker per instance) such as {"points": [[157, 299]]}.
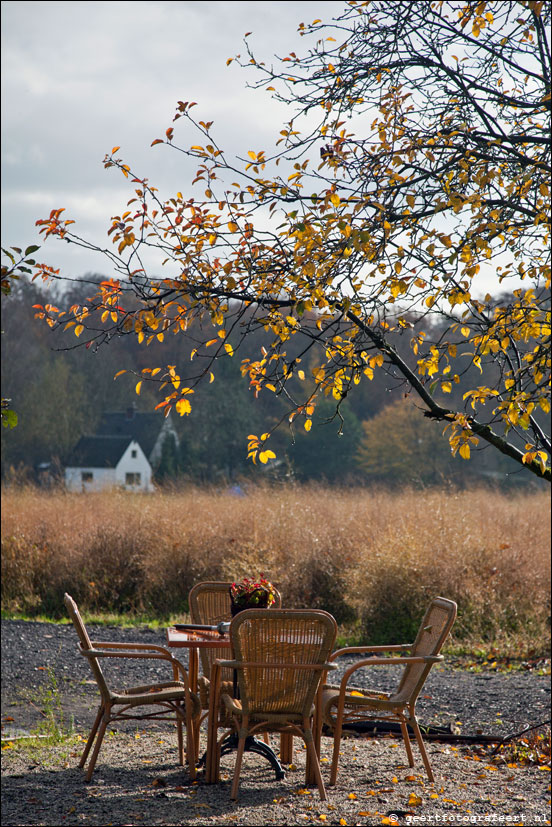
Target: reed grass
{"points": [[373, 558]]}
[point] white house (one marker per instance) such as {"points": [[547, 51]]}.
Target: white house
{"points": [[108, 461], [149, 429]]}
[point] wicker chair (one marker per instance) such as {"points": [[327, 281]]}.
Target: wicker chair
{"points": [[279, 657], [347, 704], [210, 603], [173, 699]]}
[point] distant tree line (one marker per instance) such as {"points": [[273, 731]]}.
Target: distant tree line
{"points": [[60, 392]]}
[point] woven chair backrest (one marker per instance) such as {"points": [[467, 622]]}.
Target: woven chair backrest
{"points": [[285, 640], [433, 632], [86, 644], [209, 604]]}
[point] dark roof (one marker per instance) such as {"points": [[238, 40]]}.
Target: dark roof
{"points": [[142, 427], [98, 451]]}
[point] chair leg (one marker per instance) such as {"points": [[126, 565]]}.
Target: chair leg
{"points": [[421, 747], [101, 732], [314, 763], [196, 725], [407, 745], [237, 767], [180, 736], [286, 748], [191, 748], [335, 757], [93, 731]]}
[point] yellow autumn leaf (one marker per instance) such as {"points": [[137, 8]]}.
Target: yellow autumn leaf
{"points": [[138, 387], [335, 199], [308, 424], [301, 374], [183, 407], [233, 227], [465, 451], [414, 800], [78, 330], [264, 456], [229, 349]]}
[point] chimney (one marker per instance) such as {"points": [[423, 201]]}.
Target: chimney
{"points": [[130, 411]]}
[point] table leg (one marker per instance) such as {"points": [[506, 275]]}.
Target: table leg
{"points": [[193, 667], [211, 764]]}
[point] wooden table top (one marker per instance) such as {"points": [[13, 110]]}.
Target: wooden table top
{"points": [[197, 640]]}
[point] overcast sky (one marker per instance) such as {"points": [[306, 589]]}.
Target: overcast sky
{"points": [[81, 77]]}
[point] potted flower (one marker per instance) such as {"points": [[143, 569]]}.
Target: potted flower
{"points": [[252, 594]]}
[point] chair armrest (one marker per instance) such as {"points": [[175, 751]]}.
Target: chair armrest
{"points": [[356, 650], [387, 662], [138, 652], [100, 644], [230, 664], [240, 664]]}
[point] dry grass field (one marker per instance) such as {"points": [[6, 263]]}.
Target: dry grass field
{"points": [[372, 558]]}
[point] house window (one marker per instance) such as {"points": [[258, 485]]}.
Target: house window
{"points": [[132, 478], [87, 476], [134, 453]]}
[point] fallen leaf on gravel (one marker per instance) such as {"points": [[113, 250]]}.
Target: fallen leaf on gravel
{"points": [[414, 800]]}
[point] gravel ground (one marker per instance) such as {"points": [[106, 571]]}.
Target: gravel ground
{"points": [[137, 779]]}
